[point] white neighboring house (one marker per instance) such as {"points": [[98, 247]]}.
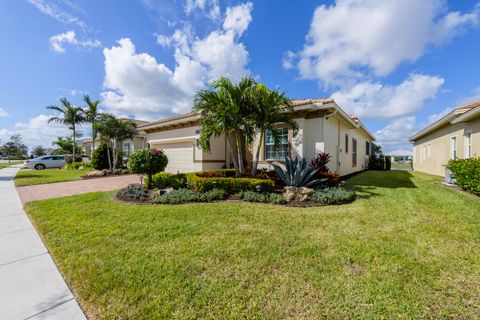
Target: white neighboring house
{"points": [[323, 127], [400, 156]]}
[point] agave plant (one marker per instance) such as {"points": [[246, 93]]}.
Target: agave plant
{"points": [[298, 173]]}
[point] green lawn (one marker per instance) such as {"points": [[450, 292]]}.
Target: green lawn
{"points": [[408, 248], [401, 165], [30, 177], [6, 164]]}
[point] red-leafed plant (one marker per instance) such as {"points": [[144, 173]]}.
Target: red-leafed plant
{"points": [[320, 161]]}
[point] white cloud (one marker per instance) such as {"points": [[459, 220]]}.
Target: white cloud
{"points": [[210, 7], [238, 18], [58, 14], [354, 38], [3, 113], [375, 100], [57, 42], [135, 83], [396, 133]]}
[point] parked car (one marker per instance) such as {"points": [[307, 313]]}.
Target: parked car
{"points": [[45, 162]]}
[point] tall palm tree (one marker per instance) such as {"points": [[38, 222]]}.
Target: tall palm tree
{"points": [[91, 113], [271, 108], [69, 115], [226, 109], [113, 130]]}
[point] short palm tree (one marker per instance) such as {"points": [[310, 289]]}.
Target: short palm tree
{"points": [[69, 115], [226, 109], [91, 113], [112, 130], [271, 109]]}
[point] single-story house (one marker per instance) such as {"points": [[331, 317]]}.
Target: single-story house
{"points": [[323, 127], [400, 156], [127, 146], [456, 135]]}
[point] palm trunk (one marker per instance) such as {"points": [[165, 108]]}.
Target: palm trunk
{"points": [[74, 142], [108, 157], [232, 141], [257, 154], [240, 147], [93, 140]]}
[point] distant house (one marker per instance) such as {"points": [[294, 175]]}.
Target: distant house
{"points": [[127, 146], [456, 135], [323, 127], [400, 156]]}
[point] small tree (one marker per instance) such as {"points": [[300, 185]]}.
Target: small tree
{"points": [[148, 162], [39, 151], [14, 148], [100, 157]]}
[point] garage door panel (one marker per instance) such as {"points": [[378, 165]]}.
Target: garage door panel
{"points": [[180, 156]]}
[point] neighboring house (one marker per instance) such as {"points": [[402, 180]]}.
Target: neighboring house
{"points": [[400, 156], [456, 135], [127, 146], [323, 126]]}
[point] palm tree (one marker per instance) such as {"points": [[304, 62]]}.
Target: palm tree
{"points": [[91, 114], [111, 131], [271, 108], [69, 115], [226, 109]]}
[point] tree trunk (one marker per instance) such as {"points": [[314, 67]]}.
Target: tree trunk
{"points": [[257, 154], [114, 154], [108, 157], [74, 142], [93, 140], [232, 141], [240, 151]]}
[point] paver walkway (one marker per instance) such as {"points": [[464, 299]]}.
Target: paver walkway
{"points": [[31, 287], [62, 189]]}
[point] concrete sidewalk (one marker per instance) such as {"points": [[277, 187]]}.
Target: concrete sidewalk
{"points": [[31, 287]]}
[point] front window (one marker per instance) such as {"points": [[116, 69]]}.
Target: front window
{"points": [[468, 145], [279, 151], [367, 148], [126, 149], [354, 152], [453, 148]]}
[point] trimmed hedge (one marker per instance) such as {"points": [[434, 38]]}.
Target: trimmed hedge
{"points": [[199, 183], [466, 173]]}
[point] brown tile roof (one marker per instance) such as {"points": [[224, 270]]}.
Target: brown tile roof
{"points": [[301, 102], [469, 105]]}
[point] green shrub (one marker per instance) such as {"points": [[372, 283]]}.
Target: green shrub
{"points": [[223, 173], [388, 162], [187, 195], [466, 173], [229, 184], [178, 196], [100, 157], [251, 196], [148, 162], [135, 192], [333, 196], [212, 195], [77, 165], [164, 179]]}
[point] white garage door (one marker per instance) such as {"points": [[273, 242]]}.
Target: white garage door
{"points": [[180, 156]]}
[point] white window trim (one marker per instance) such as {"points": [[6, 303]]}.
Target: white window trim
{"points": [[453, 151], [467, 152]]}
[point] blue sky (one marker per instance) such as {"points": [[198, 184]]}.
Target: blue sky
{"points": [[397, 64]]}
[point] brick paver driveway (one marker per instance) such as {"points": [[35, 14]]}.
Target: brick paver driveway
{"points": [[62, 189]]}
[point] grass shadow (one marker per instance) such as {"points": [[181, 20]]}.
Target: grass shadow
{"points": [[367, 182]]}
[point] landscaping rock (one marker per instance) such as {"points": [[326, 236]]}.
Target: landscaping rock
{"points": [[96, 173], [297, 194]]}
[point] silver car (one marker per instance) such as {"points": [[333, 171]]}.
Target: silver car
{"points": [[45, 162]]}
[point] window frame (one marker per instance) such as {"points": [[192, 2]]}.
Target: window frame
{"points": [[453, 147], [354, 152], [129, 149], [367, 148], [346, 143], [467, 144], [286, 143]]}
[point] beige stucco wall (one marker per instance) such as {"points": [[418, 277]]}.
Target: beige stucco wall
{"points": [[438, 146], [323, 134]]}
